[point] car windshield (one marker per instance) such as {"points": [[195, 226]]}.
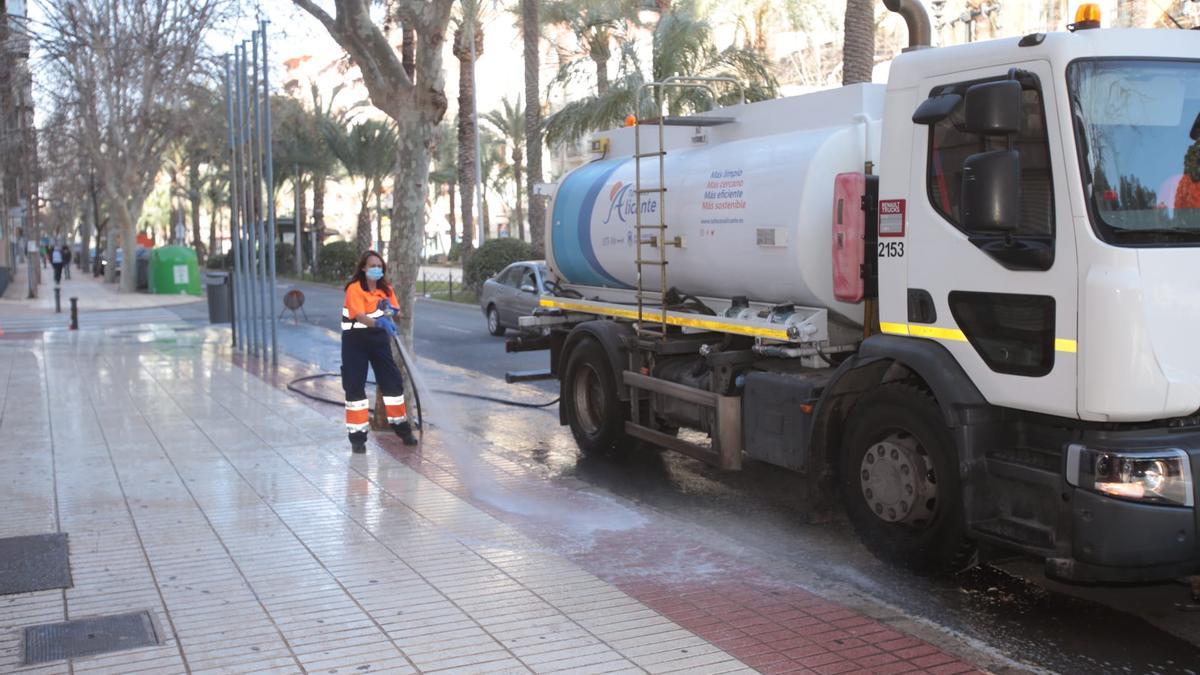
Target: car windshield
{"points": [[1138, 125]]}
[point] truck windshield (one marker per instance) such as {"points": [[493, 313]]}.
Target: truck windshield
{"points": [[1137, 123]]}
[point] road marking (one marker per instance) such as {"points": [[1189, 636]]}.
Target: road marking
{"points": [[457, 330]]}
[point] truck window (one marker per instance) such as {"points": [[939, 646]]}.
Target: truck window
{"points": [[950, 145]]}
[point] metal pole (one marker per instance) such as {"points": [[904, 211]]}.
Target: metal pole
{"points": [[235, 250], [244, 213], [298, 257], [266, 86], [259, 190], [475, 126], [248, 199]]}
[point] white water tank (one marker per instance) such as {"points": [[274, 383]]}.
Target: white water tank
{"points": [[752, 201]]}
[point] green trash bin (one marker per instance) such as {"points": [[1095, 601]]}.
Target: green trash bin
{"points": [[174, 270]]}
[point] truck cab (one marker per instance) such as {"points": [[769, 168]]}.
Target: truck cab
{"points": [[1061, 278]]}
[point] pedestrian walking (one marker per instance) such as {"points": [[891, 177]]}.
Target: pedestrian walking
{"points": [[66, 258], [56, 261], [367, 331]]}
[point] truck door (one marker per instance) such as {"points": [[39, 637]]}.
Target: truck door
{"points": [[1004, 304]]}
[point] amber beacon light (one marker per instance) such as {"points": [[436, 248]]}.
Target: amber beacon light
{"points": [[1087, 16]]}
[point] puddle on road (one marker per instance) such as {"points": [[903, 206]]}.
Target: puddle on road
{"points": [[572, 514]]}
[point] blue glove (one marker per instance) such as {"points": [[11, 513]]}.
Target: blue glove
{"points": [[385, 306], [386, 324]]}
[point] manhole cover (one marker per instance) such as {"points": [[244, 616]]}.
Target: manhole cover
{"points": [[84, 637], [34, 563]]}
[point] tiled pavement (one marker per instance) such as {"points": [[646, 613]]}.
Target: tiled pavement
{"points": [[194, 488]]}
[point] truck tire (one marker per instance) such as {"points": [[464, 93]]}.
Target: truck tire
{"points": [[493, 321], [589, 398], [900, 481]]}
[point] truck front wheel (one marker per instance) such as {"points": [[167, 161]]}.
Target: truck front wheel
{"points": [[900, 481], [589, 397]]}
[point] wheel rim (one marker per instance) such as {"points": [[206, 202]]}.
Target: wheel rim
{"points": [[493, 320], [589, 399], [898, 481]]}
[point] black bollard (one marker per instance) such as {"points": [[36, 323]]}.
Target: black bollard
{"points": [[74, 313], [57, 300]]}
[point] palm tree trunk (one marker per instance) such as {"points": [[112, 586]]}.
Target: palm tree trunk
{"points": [[858, 51], [533, 120], [363, 234], [601, 74], [319, 208], [213, 249], [466, 135], [520, 211], [451, 218], [301, 219]]}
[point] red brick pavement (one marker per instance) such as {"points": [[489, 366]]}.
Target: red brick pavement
{"points": [[766, 622]]}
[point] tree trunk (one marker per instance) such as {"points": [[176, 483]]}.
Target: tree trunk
{"points": [[214, 222], [110, 254], [319, 208], [533, 121], [127, 221], [487, 221], [520, 212], [601, 72], [451, 218], [194, 200], [414, 153], [466, 135], [379, 216], [301, 222], [408, 43], [858, 50], [362, 238]]}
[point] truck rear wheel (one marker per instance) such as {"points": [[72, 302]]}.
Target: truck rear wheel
{"points": [[589, 397], [900, 481]]}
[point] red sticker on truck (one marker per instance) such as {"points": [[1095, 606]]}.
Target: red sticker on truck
{"points": [[891, 217]]}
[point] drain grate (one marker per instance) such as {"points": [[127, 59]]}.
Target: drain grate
{"points": [[84, 637], [34, 563]]}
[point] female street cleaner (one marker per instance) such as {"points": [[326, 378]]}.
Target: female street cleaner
{"points": [[367, 330]]}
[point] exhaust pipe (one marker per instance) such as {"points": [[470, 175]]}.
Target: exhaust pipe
{"points": [[916, 17]]}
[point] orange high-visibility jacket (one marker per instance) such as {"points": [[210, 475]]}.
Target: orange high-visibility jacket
{"points": [[361, 301]]}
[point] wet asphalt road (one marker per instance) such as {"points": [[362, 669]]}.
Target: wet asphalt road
{"points": [[1007, 606]]}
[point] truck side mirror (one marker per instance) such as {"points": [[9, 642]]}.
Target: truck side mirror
{"points": [[994, 108], [991, 191]]}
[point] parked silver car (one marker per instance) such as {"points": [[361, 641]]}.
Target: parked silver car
{"points": [[513, 293]]}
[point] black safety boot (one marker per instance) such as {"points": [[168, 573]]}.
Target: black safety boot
{"points": [[358, 448], [358, 442], [404, 431]]}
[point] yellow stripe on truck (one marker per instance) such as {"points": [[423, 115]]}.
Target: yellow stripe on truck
{"points": [[956, 335], [650, 314]]}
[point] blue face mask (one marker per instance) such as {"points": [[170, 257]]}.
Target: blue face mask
{"points": [[374, 273]]}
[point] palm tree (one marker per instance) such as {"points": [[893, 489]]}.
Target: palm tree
{"points": [[322, 113], [683, 45], [509, 123], [494, 173], [468, 31], [445, 171], [858, 50], [367, 151], [531, 33], [596, 24]]}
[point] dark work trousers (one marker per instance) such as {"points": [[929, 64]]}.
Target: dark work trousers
{"points": [[370, 346], [57, 272]]}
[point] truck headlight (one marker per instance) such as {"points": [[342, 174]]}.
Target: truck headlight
{"points": [[1154, 476]]}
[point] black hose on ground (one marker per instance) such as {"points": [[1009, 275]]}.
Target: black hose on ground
{"points": [[504, 401]]}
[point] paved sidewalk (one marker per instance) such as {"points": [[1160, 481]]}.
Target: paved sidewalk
{"points": [[232, 511], [94, 296]]}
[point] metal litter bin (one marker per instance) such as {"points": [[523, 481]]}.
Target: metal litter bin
{"points": [[219, 289]]}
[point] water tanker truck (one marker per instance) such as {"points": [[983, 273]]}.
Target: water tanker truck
{"points": [[966, 303]]}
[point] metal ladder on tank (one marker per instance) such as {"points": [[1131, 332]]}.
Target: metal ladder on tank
{"points": [[653, 309]]}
